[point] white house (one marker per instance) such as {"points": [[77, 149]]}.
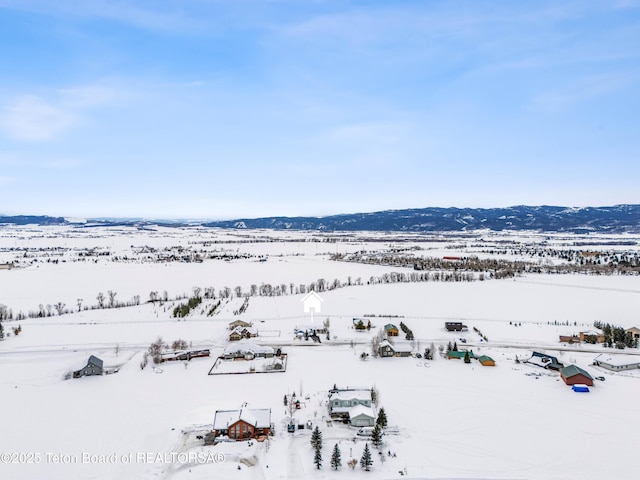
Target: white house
{"points": [[617, 363], [352, 405]]}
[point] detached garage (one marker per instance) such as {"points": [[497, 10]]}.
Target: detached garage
{"points": [[574, 375], [361, 416]]}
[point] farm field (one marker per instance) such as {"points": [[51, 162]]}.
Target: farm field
{"points": [[454, 420]]}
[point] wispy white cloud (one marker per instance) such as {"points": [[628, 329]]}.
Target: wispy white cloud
{"points": [[33, 117]]}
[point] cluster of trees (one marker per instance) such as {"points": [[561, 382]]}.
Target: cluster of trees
{"points": [[484, 337], [407, 331], [183, 309], [360, 325], [616, 336], [493, 268], [336, 456], [429, 352], [5, 313], [157, 348], [622, 262]]}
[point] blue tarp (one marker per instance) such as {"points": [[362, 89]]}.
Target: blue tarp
{"points": [[580, 388]]}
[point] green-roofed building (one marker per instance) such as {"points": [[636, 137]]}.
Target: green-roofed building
{"points": [[573, 375], [486, 361], [458, 355]]}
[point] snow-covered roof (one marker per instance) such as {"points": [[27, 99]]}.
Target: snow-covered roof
{"points": [[259, 418], [402, 347], [244, 347], [618, 360], [361, 410], [397, 347], [351, 395]]}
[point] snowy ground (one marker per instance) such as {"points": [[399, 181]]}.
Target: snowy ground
{"points": [[455, 420]]}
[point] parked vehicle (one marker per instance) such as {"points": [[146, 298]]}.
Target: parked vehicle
{"points": [[365, 432]]}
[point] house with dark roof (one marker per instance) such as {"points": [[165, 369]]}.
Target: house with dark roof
{"points": [[545, 361], [388, 349], [455, 327], [573, 375], [243, 424], [94, 366]]}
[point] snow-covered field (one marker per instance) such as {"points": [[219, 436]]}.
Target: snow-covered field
{"points": [[454, 420]]}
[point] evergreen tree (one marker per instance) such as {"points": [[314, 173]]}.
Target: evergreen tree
{"points": [[382, 418], [467, 359], [317, 458], [336, 461], [455, 346], [366, 461], [316, 443], [316, 438], [449, 347], [1, 330], [376, 436]]}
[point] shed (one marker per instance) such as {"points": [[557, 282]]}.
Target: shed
{"points": [[574, 375], [486, 361]]}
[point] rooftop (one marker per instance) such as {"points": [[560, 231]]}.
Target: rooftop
{"points": [[259, 418]]}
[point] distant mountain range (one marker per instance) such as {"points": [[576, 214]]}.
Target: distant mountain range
{"points": [[614, 219]]}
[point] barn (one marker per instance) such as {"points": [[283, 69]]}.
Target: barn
{"points": [[573, 375]]}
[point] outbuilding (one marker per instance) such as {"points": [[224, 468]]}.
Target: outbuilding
{"points": [[391, 330], [361, 416], [573, 375], [487, 361]]}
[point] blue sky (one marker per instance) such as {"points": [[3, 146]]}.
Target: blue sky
{"points": [[243, 108]]}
